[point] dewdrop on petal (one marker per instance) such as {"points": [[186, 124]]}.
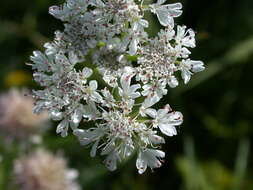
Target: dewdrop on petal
{"points": [[105, 69], [17, 121], [41, 170]]}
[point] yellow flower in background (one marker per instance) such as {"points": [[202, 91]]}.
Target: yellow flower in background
{"points": [[17, 78]]}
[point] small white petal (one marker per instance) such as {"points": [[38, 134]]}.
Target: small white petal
{"points": [[55, 11], [63, 128], [111, 161], [161, 113], [135, 95], [133, 47], [197, 66], [73, 59], [93, 84], [160, 2], [141, 164], [167, 129], [135, 87], [186, 75], [79, 132], [125, 81], [155, 139], [164, 18], [85, 141], [94, 149], [56, 115], [175, 118], [129, 70], [87, 72], [144, 23], [90, 111], [150, 101], [96, 97], [157, 153], [174, 9], [173, 82], [151, 112], [76, 118]]}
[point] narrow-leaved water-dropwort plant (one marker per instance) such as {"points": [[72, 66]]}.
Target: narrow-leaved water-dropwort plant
{"points": [[104, 68]]}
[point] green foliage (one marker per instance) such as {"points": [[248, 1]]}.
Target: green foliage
{"points": [[213, 175]]}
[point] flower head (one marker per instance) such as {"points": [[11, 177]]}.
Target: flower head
{"points": [[42, 170], [17, 121], [106, 70]]}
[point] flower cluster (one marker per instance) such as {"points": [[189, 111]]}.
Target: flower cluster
{"points": [[105, 70], [17, 121], [42, 170]]}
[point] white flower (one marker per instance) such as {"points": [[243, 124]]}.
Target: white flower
{"points": [[128, 91], [137, 31], [90, 136], [196, 66], [108, 100], [149, 157], [165, 13], [111, 160], [172, 81], [92, 94], [86, 73], [76, 117], [110, 79], [185, 37], [90, 111], [166, 121], [155, 139], [148, 102], [188, 67], [41, 61], [157, 88], [63, 127], [150, 137], [126, 149], [56, 115]]}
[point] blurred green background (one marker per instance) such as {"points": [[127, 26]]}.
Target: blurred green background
{"points": [[212, 150]]}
